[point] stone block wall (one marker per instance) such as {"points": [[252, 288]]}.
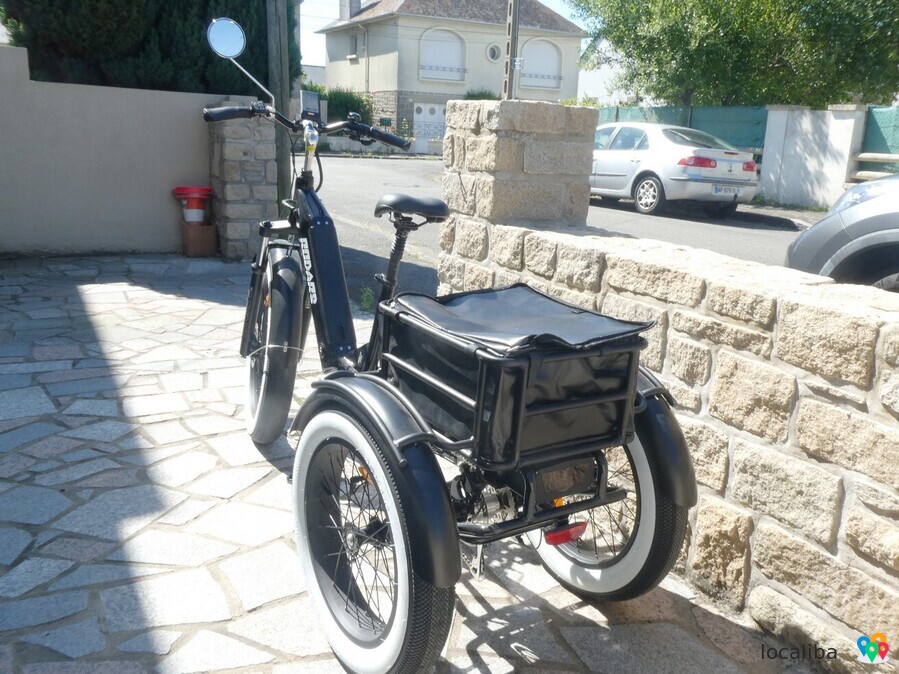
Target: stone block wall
{"points": [[787, 391], [244, 179]]}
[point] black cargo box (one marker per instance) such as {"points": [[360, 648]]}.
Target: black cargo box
{"points": [[525, 377]]}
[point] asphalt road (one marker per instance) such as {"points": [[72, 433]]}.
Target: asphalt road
{"points": [[353, 185]]}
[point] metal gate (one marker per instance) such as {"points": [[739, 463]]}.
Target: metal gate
{"points": [[428, 123]]}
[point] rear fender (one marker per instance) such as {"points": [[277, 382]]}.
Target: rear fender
{"points": [[432, 527], [662, 437]]}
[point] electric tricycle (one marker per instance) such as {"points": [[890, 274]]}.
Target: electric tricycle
{"points": [[463, 420]]}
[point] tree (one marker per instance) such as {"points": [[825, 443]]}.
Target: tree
{"points": [[749, 52], [144, 44]]}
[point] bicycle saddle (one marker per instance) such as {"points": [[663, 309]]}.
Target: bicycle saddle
{"points": [[433, 210]]}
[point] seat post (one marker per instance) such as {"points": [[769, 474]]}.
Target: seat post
{"points": [[403, 226]]}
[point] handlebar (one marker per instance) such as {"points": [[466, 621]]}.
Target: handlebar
{"points": [[355, 129], [221, 114]]}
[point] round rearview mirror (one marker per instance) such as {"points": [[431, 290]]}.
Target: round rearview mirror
{"points": [[226, 38]]}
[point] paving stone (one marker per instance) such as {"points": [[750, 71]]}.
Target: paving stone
{"points": [[30, 573], [181, 381], [105, 431], [228, 482], [80, 455], [31, 505], [14, 381], [276, 493], [208, 651], [76, 549], [658, 648], [264, 575], [94, 408], [244, 523], [149, 457], [171, 599], [181, 469], [40, 610], [147, 405], [92, 385], [105, 667], [167, 432], [120, 513], [13, 464], [155, 641], [290, 628], [212, 424], [172, 548], [12, 542], [100, 574], [74, 641], [187, 511], [76, 472], [236, 448], [26, 434], [27, 402], [51, 446], [517, 631]]}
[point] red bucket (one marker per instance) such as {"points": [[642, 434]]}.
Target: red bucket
{"points": [[197, 238]]}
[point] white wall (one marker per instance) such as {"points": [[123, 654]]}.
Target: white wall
{"points": [[91, 169], [808, 153]]}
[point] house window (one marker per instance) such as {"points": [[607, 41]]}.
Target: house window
{"points": [[354, 46], [542, 65], [442, 56]]}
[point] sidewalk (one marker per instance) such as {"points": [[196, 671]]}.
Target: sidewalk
{"points": [[141, 530]]}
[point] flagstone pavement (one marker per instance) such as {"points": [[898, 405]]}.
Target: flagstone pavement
{"points": [[142, 531]]}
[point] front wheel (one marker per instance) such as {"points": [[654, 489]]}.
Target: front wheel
{"points": [[649, 197], [628, 546], [272, 365], [354, 545]]}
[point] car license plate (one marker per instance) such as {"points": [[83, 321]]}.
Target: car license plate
{"points": [[725, 189]]}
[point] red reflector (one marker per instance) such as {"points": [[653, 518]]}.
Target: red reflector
{"points": [[701, 162], [565, 533], [749, 166]]}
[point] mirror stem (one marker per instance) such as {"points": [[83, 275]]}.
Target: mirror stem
{"points": [[256, 82]]}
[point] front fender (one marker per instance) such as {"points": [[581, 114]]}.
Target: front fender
{"points": [[432, 526], [287, 278]]}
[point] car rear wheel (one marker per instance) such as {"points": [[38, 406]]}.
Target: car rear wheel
{"points": [[649, 197]]}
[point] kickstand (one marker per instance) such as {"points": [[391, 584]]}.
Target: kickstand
{"points": [[477, 563]]}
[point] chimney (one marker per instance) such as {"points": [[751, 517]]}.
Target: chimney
{"points": [[349, 9]]}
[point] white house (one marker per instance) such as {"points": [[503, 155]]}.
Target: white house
{"points": [[413, 56]]}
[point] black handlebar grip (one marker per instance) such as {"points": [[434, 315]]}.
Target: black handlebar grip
{"points": [[390, 139], [221, 114]]}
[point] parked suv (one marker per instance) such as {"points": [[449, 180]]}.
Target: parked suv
{"points": [[858, 240]]}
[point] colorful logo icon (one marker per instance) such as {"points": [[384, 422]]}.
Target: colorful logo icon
{"points": [[873, 647]]}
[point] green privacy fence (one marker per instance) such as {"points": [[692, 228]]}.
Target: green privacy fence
{"points": [[881, 136], [743, 127]]}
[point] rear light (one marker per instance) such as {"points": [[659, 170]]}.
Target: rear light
{"points": [[566, 533], [700, 162], [749, 166]]}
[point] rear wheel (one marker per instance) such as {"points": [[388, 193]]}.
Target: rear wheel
{"points": [[353, 542], [271, 367], [628, 546], [649, 197]]}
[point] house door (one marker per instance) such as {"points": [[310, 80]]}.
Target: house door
{"points": [[428, 123]]}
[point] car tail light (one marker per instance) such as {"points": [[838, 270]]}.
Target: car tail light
{"points": [[701, 162], [749, 166], [565, 533]]}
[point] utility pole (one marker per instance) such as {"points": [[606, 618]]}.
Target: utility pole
{"points": [[279, 83], [513, 63]]}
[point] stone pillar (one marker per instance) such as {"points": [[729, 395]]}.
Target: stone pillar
{"points": [[523, 163], [244, 175], [519, 163]]}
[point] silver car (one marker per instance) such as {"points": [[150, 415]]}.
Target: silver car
{"points": [[656, 163], [858, 240]]}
